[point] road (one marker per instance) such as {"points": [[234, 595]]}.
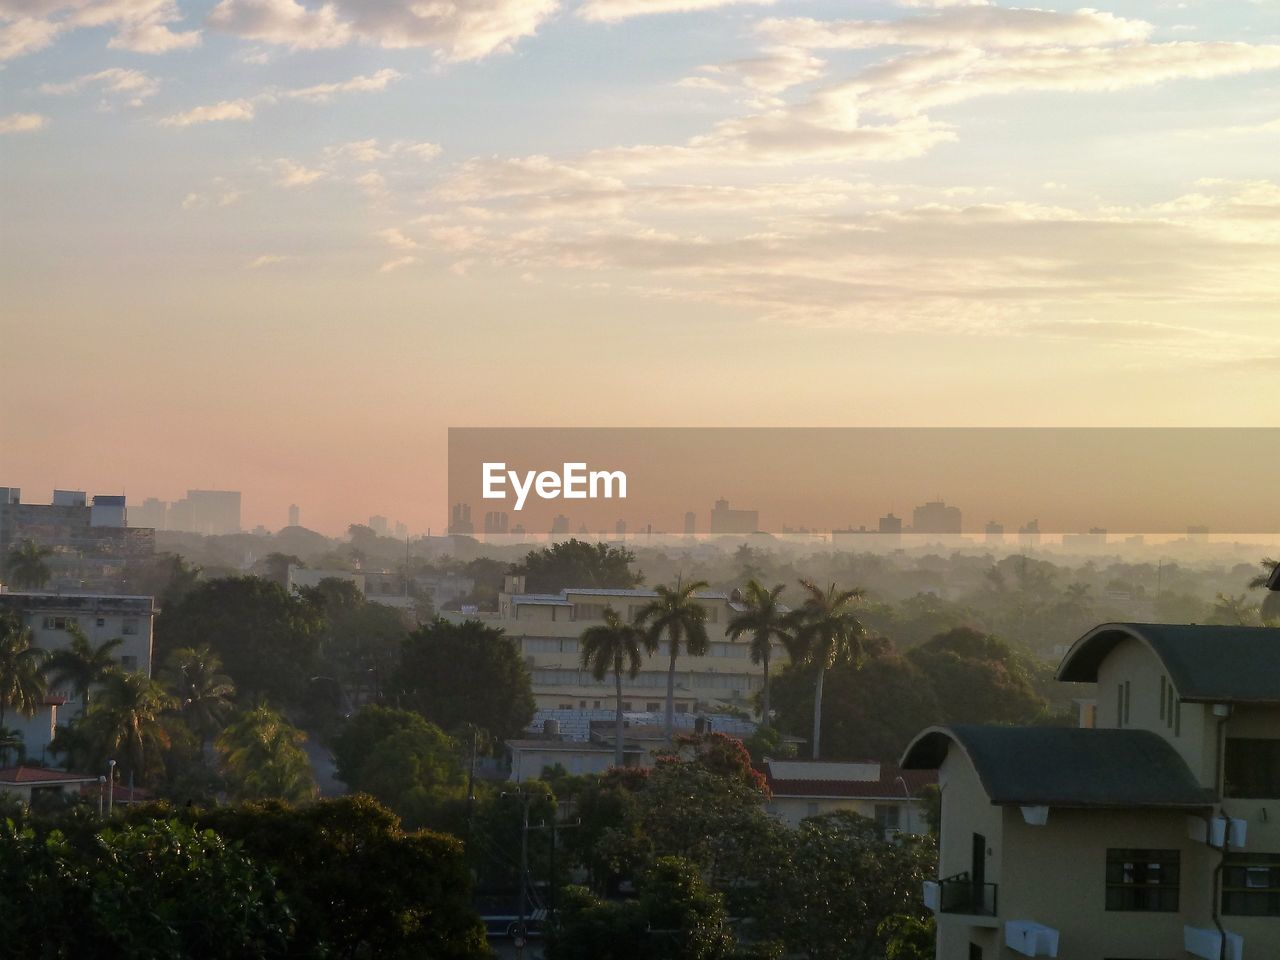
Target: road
{"points": [[323, 768]]}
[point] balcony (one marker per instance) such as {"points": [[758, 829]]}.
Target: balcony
{"points": [[960, 894]]}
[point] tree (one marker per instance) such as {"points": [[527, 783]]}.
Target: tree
{"points": [[765, 620], [978, 678], [838, 884], [262, 757], [675, 918], [267, 640], [203, 693], [465, 673], [573, 563], [22, 680], [357, 883], [126, 723], [615, 646], [827, 632], [1271, 600], [870, 711], [677, 614], [28, 564], [405, 761], [361, 640], [11, 741], [139, 891], [83, 665]]}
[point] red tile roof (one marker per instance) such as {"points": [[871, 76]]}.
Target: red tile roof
{"points": [[887, 787], [42, 775]]}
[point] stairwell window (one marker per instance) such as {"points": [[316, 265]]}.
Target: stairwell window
{"points": [[1251, 885], [1252, 768], [1143, 880]]}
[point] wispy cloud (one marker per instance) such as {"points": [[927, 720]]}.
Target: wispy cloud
{"points": [[245, 108], [611, 11], [291, 175], [397, 263], [22, 122], [133, 86], [268, 260], [454, 31], [140, 26]]}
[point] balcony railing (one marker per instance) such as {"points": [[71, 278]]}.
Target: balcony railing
{"points": [[960, 894]]}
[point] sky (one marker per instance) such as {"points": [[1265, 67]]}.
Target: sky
{"points": [[282, 247]]}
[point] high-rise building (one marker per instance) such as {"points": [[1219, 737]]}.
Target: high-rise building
{"points": [[890, 524], [935, 517], [560, 524], [620, 528], [152, 512], [726, 520], [496, 522], [690, 523], [1029, 534], [295, 515], [994, 532], [210, 512], [380, 525], [460, 519]]}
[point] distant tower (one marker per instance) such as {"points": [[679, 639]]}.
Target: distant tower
{"points": [[295, 515], [994, 532], [690, 523], [620, 528]]}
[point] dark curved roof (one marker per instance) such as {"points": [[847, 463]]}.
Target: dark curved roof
{"points": [[1207, 663], [1066, 766]]}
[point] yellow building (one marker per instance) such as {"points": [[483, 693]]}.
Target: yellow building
{"points": [[1153, 834], [547, 628]]}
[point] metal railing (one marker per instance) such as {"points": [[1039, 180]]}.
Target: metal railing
{"points": [[960, 894]]}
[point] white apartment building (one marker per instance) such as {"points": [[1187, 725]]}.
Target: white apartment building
{"points": [[547, 628]]}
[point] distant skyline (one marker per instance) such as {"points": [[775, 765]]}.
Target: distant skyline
{"points": [[282, 247]]}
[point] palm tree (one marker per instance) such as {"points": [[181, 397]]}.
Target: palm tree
{"points": [[1271, 601], [11, 741], [263, 757], [82, 665], [764, 620], [677, 614], [127, 720], [203, 692], [27, 566], [827, 632], [22, 681], [614, 646]]}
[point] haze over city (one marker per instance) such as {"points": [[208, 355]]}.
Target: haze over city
{"points": [[280, 248]]}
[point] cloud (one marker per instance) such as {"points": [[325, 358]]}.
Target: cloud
{"points": [[132, 85], [292, 175], [397, 263], [962, 26], [455, 31], [22, 122], [245, 108], [212, 113], [773, 71], [141, 26], [611, 11], [268, 260], [324, 92], [398, 238], [220, 194], [26, 35], [914, 83], [281, 22]]}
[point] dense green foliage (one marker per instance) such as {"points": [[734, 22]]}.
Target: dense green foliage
{"points": [[465, 674], [268, 641], [574, 563], [331, 879]]}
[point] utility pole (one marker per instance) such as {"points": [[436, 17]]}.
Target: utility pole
{"points": [[111, 785], [525, 798]]}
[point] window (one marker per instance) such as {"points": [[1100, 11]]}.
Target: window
{"points": [[1142, 880], [1164, 704], [1251, 885], [626, 704], [60, 623], [1252, 768], [129, 627], [653, 707], [102, 621], [887, 816], [129, 663]]}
